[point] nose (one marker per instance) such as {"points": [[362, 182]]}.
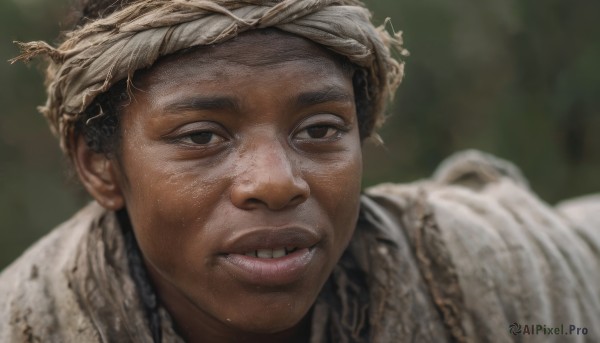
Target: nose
{"points": [[268, 178]]}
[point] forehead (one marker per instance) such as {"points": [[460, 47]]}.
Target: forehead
{"points": [[260, 49]]}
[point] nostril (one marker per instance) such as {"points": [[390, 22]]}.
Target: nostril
{"points": [[254, 201], [298, 199]]}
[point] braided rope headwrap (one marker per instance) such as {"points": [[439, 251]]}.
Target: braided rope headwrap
{"points": [[105, 51]]}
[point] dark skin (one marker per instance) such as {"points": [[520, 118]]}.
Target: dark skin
{"points": [[248, 146]]}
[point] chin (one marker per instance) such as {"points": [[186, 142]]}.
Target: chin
{"points": [[276, 314], [267, 325]]}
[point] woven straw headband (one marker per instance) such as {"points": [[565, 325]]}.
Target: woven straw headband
{"points": [[103, 52]]}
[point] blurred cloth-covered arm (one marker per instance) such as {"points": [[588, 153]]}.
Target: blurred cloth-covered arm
{"points": [[514, 258]]}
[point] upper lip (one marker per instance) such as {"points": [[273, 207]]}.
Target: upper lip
{"points": [[270, 238]]}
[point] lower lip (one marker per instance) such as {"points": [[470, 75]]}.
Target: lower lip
{"points": [[270, 271]]}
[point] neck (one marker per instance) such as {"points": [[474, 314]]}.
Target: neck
{"points": [[192, 330]]}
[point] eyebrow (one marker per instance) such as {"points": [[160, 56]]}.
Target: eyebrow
{"points": [[202, 103], [208, 103], [331, 94]]}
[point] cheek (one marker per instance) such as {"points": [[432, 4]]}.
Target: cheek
{"points": [[167, 202], [336, 187]]}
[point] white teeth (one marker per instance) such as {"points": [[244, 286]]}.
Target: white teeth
{"points": [[271, 253], [264, 253], [279, 253]]}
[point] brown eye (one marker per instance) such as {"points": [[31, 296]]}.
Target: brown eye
{"points": [[318, 131], [201, 137], [202, 134], [321, 128]]}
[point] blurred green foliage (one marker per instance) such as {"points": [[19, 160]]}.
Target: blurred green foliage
{"points": [[519, 79]]}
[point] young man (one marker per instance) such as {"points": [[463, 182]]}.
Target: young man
{"points": [[221, 141]]}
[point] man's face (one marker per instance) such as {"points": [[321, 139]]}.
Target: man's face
{"points": [[240, 166]]}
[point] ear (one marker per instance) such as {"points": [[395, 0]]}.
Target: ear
{"points": [[99, 175]]}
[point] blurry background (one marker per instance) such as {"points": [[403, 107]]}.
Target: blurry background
{"points": [[519, 79]]}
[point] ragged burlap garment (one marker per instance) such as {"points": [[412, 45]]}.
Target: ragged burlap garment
{"points": [[457, 258]]}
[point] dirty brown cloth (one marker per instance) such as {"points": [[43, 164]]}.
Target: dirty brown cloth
{"points": [[456, 258], [96, 56]]}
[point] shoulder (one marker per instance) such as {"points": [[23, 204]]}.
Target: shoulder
{"points": [[35, 290], [516, 258], [51, 252]]}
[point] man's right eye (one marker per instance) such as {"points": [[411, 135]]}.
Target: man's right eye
{"points": [[201, 137]]}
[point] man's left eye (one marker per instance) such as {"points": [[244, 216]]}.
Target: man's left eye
{"points": [[318, 132]]}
